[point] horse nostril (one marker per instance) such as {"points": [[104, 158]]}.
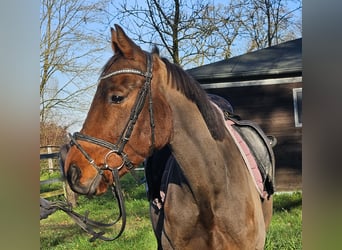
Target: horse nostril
{"points": [[74, 173]]}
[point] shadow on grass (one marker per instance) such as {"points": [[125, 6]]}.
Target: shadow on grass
{"points": [[287, 201], [53, 235]]}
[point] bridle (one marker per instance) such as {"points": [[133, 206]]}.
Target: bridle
{"points": [[117, 148]]}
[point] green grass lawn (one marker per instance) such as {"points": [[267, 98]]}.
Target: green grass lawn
{"points": [[286, 226], [59, 231]]}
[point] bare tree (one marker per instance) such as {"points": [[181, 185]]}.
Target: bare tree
{"points": [[189, 32], [270, 22], [68, 53], [52, 134], [225, 22]]}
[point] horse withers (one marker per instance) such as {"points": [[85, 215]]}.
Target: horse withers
{"points": [[144, 103]]}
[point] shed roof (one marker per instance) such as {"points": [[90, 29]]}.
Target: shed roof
{"points": [[281, 60]]}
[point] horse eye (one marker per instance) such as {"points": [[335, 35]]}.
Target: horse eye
{"points": [[116, 99]]}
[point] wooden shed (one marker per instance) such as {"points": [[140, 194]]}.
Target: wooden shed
{"points": [[265, 86]]}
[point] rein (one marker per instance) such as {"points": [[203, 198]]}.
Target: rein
{"points": [[89, 225], [118, 148]]}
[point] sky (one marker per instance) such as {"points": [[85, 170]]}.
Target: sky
{"points": [[105, 55]]}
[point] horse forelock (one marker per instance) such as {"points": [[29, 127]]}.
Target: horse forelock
{"points": [[191, 89]]}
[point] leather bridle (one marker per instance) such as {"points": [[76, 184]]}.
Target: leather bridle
{"points": [[117, 148]]}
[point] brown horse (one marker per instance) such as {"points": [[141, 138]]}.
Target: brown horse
{"points": [[144, 103]]}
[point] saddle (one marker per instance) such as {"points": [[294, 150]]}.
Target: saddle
{"points": [[260, 146]]}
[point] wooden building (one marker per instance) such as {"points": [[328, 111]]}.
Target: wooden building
{"points": [[265, 86]]}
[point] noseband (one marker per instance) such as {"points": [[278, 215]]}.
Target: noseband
{"points": [[118, 148]]}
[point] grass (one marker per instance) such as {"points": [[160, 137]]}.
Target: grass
{"points": [[286, 226], [47, 188], [59, 231]]}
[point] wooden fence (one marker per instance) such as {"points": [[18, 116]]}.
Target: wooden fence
{"points": [[51, 154]]}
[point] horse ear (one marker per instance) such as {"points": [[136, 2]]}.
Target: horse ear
{"points": [[114, 41], [121, 43]]}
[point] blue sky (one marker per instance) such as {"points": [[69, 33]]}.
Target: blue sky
{"points": [[107, 53]]}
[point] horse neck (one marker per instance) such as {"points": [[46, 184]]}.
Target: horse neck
{"points": [[205, 162]]}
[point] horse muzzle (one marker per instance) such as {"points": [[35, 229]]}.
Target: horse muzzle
{"points": [[81, 185]]}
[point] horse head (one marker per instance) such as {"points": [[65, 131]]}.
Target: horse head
{"points": [[128, 119]]}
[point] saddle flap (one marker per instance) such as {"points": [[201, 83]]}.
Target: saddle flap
{"points": [[260, 146]]}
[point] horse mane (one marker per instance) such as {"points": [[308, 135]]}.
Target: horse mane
{"points": [[187, 85]]}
